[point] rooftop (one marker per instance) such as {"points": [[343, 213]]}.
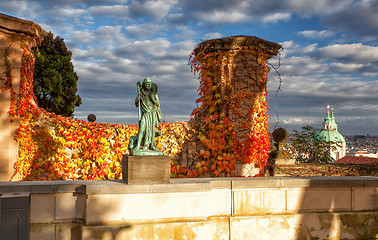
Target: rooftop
{"points": [[357, 160]]}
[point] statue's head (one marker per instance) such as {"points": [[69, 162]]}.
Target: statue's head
{"points": [[147, 80], [147, 83]]}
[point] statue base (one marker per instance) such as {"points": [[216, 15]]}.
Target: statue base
{"points": [[145, 152], [146, 169]]}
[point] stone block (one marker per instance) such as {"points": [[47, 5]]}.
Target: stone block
{"points": [[146, 169], [4, 107], [4, 96], [4, 140], [4, 162], [259, 201], [53, 231], [319, 199], [264, 227], [118, 208], [364, 198], [42, 232], [216, 228], [220, 202], [256, 183], [42, 208], [246, 170], [69, 206]]}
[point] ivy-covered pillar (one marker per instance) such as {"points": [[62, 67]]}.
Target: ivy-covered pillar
{"points": [[17, 36], [231, 117]]}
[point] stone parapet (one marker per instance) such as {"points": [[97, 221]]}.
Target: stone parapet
{"points": [[205, 208]]}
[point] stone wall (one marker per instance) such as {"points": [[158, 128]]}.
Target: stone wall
{"points": [[13, 32], [217, 208], [324, 169]]}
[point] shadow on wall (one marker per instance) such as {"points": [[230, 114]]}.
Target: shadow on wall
{"points": [[101, 232], [335, 213]]}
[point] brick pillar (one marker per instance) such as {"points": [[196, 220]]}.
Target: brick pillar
{"points": [[12, 32]]}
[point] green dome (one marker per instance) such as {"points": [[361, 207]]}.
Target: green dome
{"points": [[331, 136], [330, 133]]}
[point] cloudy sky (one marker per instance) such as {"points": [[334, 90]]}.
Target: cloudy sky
{"points": [[329, 57]]}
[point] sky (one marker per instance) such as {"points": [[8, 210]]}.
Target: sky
{"points": [[329, 55]]}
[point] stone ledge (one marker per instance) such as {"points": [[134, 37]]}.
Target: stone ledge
{"points": [[290, 182], [235, 42], [183, 185], [20, 25]]}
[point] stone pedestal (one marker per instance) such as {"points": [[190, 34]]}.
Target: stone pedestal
{"points": [[246, 170], [146, 169]]}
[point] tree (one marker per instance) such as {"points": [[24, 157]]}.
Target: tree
{"points": [[55, 81], [310, 147]]}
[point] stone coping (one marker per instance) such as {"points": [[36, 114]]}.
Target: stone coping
{"points": [[96, 187], [235, 42], [20, 25]]}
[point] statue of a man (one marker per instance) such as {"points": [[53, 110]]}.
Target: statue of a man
{"points": [[148, 103]]}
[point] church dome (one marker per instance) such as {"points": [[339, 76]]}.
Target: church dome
{"points": [[330, 133]]}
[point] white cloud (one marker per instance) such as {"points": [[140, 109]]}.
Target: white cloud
{"points": [[316, 34], [276, 17], [143, 30], [298, 121], [208, 36], [356, 52], [224, 16], [69, 12], [159, 9], [141, 49], [347, 67], [114, 10]]}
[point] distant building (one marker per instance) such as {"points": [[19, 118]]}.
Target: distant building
{"points": [[357, 160], [366, 154], [331, 135]]}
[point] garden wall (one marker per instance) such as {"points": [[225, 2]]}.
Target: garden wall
{"points": [[216, 208]]}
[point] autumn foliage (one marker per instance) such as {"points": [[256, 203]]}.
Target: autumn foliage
{"points": [[53, 147], [230, 121]]}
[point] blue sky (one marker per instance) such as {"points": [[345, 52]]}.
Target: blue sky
{"points": [[329, 57]]}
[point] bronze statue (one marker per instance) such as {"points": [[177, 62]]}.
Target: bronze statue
{"points": [[148, 103]]}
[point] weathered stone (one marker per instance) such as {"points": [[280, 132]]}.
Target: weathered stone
{"points": [[146, 169], [221, 208]]}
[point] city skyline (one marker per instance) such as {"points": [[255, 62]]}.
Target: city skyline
{"points": [[329, 55]]}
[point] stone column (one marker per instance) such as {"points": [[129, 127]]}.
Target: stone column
{"points": [[236, 67], [244, 69], [13, 32]]}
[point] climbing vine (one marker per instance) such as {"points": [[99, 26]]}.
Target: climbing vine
{"points": [[231, 119], [7, 82]]}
